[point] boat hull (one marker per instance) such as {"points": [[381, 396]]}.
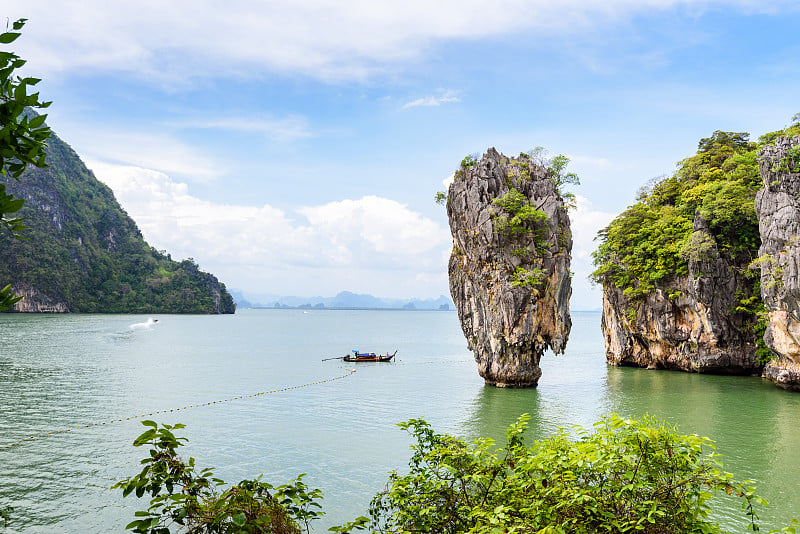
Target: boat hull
{"points": [[370, 357]]}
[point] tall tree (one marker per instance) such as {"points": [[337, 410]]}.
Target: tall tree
{"points": [[23, 137]]}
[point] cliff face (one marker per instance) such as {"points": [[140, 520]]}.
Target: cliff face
{"points": [[83, 253], [509, 269], [33, 301], [778, 209], [696, 329], [678, 290]]}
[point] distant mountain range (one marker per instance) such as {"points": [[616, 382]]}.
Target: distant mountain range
{"points": [[344, 299]]}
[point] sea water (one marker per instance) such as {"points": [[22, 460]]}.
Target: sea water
{"points": [[257, 398]]}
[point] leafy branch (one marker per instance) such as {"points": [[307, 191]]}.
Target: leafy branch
{"points": [[22, 137], [192, 498]]}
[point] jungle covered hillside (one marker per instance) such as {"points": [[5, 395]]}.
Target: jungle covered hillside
{"points": [[83, 253]]}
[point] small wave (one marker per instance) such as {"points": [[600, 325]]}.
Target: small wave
{"points": [[147, 324]]}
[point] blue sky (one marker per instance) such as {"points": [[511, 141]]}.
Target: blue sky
{"points": [[294, 147]]}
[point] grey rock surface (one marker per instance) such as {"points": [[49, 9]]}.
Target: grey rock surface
{"points": [[778, 210], [508, 323]]}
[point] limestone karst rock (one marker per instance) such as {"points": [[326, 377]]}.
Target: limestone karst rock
{"points": [[678, 290], [695, 331], [509, 268], [778, 209]]}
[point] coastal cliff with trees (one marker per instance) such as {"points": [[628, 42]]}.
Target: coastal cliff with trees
{"points": [[67, 245], [82, 253], [680, 268]]}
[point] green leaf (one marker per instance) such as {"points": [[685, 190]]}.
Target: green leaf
{"points": [[9, 37], [144, 438], [37, 122]]}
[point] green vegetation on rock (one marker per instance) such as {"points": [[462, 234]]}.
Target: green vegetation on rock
{"points": [[651, 242], [556, 166], [699, 223], [517, 217], [83, 250]]}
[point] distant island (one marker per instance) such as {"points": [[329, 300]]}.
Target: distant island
{"points": [[342, 300]]}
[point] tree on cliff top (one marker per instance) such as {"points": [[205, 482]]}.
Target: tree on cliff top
{"points": [[650, 243], [556, 165], [23, 138]]}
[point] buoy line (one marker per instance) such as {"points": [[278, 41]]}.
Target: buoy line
{"points": [[434, 362], [33, 437], [431, 362]]}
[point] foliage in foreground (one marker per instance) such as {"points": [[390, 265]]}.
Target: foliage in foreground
{"points": [[22, 139], [625, 476], [184, 495]]}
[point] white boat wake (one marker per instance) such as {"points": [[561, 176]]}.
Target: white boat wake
{"points": [[147, 324]]}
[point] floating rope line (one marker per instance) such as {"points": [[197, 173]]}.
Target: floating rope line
{"points": [[134, 417], [431, 362], [470, 360]]}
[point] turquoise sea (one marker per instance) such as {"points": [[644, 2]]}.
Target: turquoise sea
{"points": [[232, 380]]}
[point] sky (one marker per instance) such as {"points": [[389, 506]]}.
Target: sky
{"points": [[294, 147]]}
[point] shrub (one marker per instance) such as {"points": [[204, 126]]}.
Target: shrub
{"points": [[527, 278], [624, 476], [192, 498], [518, 218]]}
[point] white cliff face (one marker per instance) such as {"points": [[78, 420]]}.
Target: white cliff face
{"points": [[509, 277], [778, 210]]}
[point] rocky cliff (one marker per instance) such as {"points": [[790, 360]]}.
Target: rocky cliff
{"points": [[83, 253], [678, 292], [509, 268], [778, 209], [696, 329]]}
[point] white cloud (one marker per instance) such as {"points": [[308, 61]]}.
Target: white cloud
{"points": [[287, 129], [326, 39], [371, 244], [378, 231], [585, 222], [444, 97], [153, 150]]}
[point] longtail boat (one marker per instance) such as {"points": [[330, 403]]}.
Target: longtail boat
{"points": [[369, 357]]}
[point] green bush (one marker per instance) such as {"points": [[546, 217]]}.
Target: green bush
{"points": [[527, 278], [624, 476], [517, 218], [465, 164], [194, 499]]}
